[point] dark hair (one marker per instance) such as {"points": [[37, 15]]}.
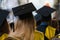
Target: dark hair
{"points": [[4, 28]]}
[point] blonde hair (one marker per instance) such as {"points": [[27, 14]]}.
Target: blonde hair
{"points": [[24, 29]]}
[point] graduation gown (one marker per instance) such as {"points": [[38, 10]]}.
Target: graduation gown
{"points": [[50, 32], [38, 35], [3, 36]]}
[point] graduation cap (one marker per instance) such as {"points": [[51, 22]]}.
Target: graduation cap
{"points": [[38, 17], [42, 26], [45, 12], [24, 11], [3, 15]]}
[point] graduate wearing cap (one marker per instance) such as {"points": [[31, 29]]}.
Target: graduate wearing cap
{"points": [[4, 27], [8, 5], [45, 12], [25, 24], [37, 34], [45, 17], [28, 16]]}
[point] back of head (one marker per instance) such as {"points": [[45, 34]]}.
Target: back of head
{"points": [[25, 27]]}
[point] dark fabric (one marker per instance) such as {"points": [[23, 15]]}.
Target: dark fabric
{"points": [[45, 38], [3, 23], [57, 32], [45, 12], [42, 27], [38, 17], [3, 15], [23, 9], [25, 16]]}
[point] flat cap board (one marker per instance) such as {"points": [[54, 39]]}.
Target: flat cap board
{"points": [[45, 11], [23, 9]]}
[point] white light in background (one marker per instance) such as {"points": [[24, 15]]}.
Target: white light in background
{"points": [[34, 13], [40, 3], [37, 3]]}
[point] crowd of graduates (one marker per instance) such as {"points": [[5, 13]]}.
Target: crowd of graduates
{"points": [[29, 27]]}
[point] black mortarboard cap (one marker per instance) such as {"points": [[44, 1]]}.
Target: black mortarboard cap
{"points": [[3, 15], [45, 12], [24, 10]]}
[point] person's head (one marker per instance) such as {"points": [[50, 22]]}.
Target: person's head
{"points": [[4, 27], [25, 27]]}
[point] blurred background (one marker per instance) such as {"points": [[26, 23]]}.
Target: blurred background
{"points": [[37, 3]]}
